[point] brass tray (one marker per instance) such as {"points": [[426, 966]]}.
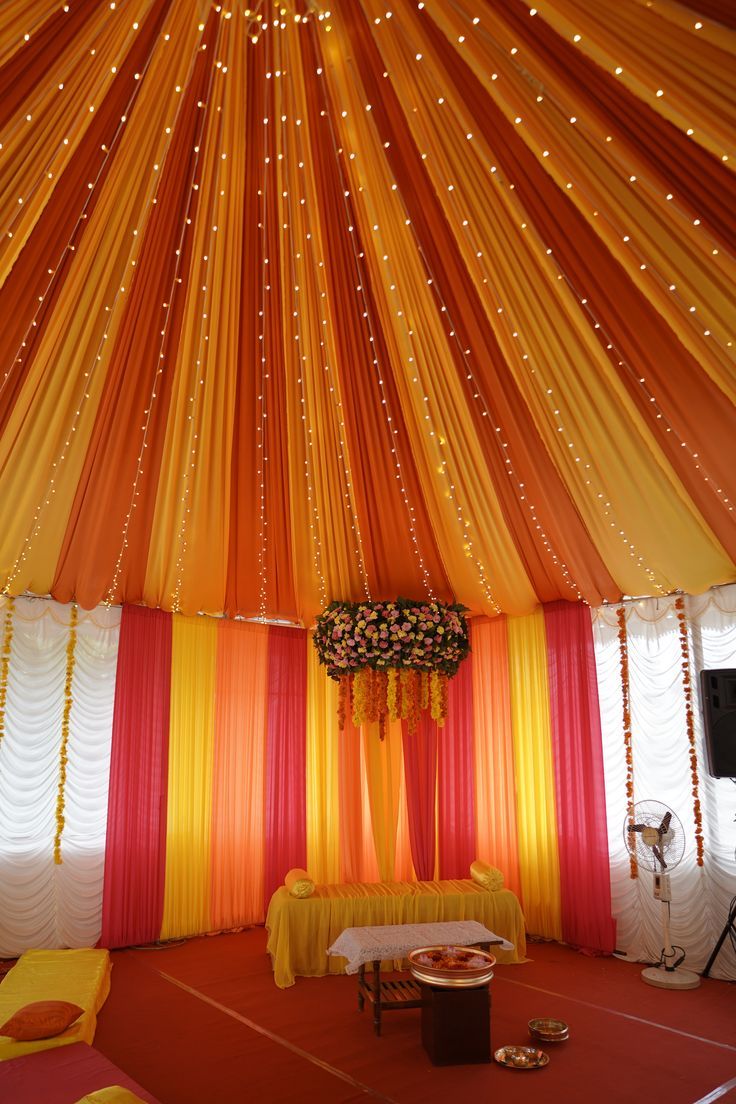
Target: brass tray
{"points": [[520, 1057], [451, 967], [549, 1031]]}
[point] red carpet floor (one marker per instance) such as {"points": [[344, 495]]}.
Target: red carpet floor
{"points": [[204, 1022]]}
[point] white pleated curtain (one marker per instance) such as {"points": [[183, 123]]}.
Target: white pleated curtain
{"points": [[700, 895], [43, 904]]}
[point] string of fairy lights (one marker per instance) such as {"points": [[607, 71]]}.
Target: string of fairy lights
{"points": [[202, 364], [316, 271], [437, 437], [313, 512], [82, 87], [262, 400], [631, 174], [573, 119], [287, 194], [555, 112], [326, 339], [108, 149], [160, 365], [504, 315], [643, 262], [475, 388], [433, 430], [110, 317], [394, 438]]}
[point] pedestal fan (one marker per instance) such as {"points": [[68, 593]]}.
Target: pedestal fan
{"points": [[654, 836]]}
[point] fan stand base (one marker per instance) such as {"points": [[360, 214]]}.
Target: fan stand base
{"points": [[670, 979]]}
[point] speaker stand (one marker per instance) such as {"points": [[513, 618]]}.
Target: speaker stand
{"points": [[729, 927]]}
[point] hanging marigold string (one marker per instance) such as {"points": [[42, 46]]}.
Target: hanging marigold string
{"points": [[687, 686], [63, 750], [623, 650], [5, 662], [343, 695], [393, 659]]}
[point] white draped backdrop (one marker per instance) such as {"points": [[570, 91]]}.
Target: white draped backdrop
{"points": [[700, 895], [43, 904], [48, 905]]}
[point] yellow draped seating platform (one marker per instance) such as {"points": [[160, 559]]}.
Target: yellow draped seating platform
{"points": [[301, 929], [81, 977]]}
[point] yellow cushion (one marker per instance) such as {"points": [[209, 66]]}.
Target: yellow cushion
{"points": [[113, 1094], [81, 977], [490, 877], [298, 883]]}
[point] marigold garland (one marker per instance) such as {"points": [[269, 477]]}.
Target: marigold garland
{"points": [[342, 700], [687, 687], [63, 756], [394, 658], [626, 708], [5, 662]]}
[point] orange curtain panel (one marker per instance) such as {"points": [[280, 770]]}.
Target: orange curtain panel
{"points": [[239, 775]]}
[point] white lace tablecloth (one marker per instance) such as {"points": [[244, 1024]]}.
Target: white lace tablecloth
{"points": [[374, 944]]}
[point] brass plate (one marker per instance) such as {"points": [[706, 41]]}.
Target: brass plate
{"points": [[458, 981], [470, 966], [519, 1057]]}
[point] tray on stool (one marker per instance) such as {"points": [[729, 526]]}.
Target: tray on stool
{"points": [[456, 1024]]}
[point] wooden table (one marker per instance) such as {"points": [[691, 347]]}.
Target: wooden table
{"points": [[372, 945]]}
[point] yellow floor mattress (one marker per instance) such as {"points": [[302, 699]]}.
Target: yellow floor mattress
{"points": [[79, 976]]}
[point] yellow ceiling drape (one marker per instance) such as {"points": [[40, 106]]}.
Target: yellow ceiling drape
{"points": [[446, 302]]}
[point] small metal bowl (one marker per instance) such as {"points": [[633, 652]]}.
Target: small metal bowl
{"points": [[549, 1031]]}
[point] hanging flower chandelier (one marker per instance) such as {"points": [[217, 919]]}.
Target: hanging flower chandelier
{"points": [[391, 659]]}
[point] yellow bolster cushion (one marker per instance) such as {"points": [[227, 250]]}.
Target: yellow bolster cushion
{"points": [[490, 877], [298, 883], [113, 1094]]}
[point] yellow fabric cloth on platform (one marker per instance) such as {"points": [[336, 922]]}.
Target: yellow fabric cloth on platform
{"points": [[300, 931], [79, 976]]}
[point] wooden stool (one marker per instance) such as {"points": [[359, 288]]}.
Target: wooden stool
{"points": [[456, 1024]]}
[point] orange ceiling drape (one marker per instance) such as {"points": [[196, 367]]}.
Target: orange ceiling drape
{"points": [[323, 302]]}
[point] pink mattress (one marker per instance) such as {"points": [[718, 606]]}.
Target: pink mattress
{"points": [[62, 1076]]}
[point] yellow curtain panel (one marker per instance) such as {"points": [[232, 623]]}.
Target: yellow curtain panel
{"points": [[189, 799], [536, 819]]}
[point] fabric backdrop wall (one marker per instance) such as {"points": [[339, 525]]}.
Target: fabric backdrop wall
{"points": [[204, 760], [701, 895]]}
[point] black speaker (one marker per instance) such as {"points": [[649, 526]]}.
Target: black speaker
{"points": [[718, 692]]}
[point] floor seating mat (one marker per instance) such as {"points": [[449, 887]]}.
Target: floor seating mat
{"points": [[79, 976], [65, 1075]]}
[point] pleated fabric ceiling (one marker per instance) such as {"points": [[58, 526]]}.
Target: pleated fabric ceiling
{"points": [[310, 301]]}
